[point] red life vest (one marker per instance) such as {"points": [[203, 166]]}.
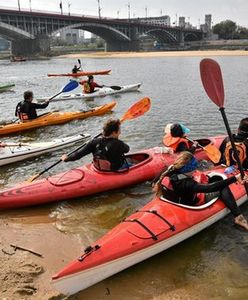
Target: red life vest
{"points": [[173, 142], [170, 194]]}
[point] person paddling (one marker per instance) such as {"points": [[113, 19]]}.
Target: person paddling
{"points": [[180, 183], [108, 151], [26, 109], [89, 85], [175, 138]]}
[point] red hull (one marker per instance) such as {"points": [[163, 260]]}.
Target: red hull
{"points": [[86, 180], [78, 74]]}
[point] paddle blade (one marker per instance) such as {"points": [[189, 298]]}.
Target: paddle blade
{"points": [[70, 86], [79, 61], [212, 81], [137, 110], [213, 153]]}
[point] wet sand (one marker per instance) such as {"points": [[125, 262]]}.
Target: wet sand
{"points": [[158, 54]]}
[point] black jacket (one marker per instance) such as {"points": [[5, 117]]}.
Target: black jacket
{"points": [[29, 108]]}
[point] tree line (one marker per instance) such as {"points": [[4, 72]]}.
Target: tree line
{"points": [[229, 30]]}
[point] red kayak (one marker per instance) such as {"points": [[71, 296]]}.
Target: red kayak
{"points": [[156, 227], [78, 74], [87, 180]]}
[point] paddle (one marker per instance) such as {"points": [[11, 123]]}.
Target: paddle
{"points": [[114, 87], [67, 88], [79, 61], [135, 111], [211, 150], [212, 81]]}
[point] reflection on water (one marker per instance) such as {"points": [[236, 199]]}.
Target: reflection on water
{"points": [[212, 264]]}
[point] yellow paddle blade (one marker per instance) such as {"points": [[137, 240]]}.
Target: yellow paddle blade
{"points": [[137, 110], [213, 153]]}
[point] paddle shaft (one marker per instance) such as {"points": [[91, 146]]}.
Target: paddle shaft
{"points": [[235, 152]]}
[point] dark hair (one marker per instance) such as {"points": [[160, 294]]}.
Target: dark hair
{"points": [[111, 126], [243, 125], [27, 95], [176, 130], [90, 77]]}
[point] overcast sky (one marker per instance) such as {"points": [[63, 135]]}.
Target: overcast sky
{"points": [[193, 10]]}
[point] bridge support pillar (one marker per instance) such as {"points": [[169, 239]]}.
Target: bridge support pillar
{"points": [[27, 47], [123, 46]]}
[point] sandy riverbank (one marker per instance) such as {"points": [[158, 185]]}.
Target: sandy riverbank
{"points": [[157, 54]]}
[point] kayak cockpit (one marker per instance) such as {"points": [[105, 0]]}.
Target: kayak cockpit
{"points": [[213, 177]]}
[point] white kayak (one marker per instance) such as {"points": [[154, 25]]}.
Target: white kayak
{"points": [[14, 152], [99, 92]]}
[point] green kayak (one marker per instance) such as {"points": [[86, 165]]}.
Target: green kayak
{"points": [[5, 87]]}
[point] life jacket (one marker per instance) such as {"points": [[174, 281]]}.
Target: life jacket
{"points": [[171, 195], [87, 88], [100, 160], [229, 153], [21, 115], [173, 142]]}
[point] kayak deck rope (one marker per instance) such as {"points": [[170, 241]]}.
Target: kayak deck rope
{"points": [[172, 227], [87, 251], [153, 236]]}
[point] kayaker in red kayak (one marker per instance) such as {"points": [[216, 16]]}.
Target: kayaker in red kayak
{"points": [[26, 109], [241, 143], [108, 151], [89, 85], [180, 183], [175, 138], [76, 69]]}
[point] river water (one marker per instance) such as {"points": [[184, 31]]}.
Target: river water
{"points": [[213, 263]]}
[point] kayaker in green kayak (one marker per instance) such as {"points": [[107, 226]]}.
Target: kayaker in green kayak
{"points": [[26, 109], [175, 138], [108, 151], [89, 85], [181, 183]]}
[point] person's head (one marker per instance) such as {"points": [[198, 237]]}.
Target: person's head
{"points": [[28, 96], [75, 66], [185, 163], [243, 126], [112, 128], [176, 130], [90, 78]]}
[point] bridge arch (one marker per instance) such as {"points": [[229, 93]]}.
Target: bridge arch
{"points": [[106, 32], [163, 36], [12, 33]]}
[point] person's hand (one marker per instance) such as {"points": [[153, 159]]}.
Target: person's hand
{"points": [[47, 100], [64, 157], [195, 144], [240, 180]]}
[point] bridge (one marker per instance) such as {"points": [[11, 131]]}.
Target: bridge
{"points": [[29, 31]]}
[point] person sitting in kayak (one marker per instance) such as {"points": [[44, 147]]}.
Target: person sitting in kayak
{"points": [[241, 143], [108, 151], [26, 109], [89, 85], [181, 183], [175, 138], [76, 69]]}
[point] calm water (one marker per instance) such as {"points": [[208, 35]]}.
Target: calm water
{"points": [[212, 264]]}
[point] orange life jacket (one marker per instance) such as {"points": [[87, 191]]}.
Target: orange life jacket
{"points": [[173, 142], [170, 194], [87, 88], [229, 154]]}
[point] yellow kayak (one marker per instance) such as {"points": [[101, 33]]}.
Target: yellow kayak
{"points": [[54, 118]]}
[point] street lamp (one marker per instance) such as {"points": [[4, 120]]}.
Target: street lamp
{"points": [[146, 11], [69, 5], [118, 14], [19, 7], [30, 5], [99, 9], [128, 7]]}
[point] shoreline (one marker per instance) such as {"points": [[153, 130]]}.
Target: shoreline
{"points": [[156, 54]]}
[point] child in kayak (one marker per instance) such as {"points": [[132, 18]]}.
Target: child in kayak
{"points": [[26, 109], [89, 85], [175, 138], [180, 186], [108, 151]]}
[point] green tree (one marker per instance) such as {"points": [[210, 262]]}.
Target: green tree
{"points": [[242, 32], [226, 30]]}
